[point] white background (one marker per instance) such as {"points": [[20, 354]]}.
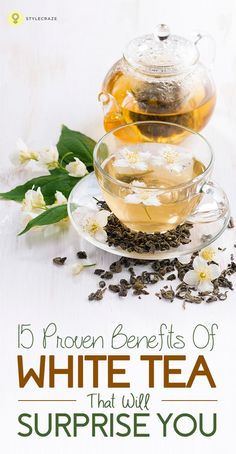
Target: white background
{"points": [[51, 74]]}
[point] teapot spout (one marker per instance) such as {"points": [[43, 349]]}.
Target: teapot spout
{"points": [[113, 116]]}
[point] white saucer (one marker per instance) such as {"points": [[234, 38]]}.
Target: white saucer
{"points": [[82, 200]]}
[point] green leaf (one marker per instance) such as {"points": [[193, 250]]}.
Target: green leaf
{"points": [[50, 216], [78, 144], [59, 180], [103, 152], [71, 144]]}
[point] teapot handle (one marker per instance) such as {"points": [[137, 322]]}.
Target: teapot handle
{"points": [[210, 47], [113, 116]]}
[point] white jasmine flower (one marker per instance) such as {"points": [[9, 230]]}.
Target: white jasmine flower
{"points": [[185, 259], [202, 275], [209, 254], [76, 168], [173, 160], [33, 202], [49, 157], [135, 160], [78, 267], [145, 197], [94, 224], [24, 154], [138, 184], [32, 205], [60, 199], [142, 196]]}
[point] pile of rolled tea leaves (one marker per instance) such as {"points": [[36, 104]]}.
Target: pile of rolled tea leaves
{"points": [[122, 236], [153, 272], [165, 279]]}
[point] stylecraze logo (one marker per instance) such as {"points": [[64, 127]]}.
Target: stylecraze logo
{"points": [[17, 18]]}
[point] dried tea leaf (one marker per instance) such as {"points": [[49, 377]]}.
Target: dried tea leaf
{"points": [[81, 255], [96, 296], [114, 288], [99, 271], [107, 275], [231, 223], [206, 238], [190, 298], [222, 296], [211, 299], [171, 277], [102, 284], [59, 260], [168, 294], [116, 267]]}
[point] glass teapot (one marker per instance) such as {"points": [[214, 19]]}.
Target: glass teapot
{"points": [[160, 77]]}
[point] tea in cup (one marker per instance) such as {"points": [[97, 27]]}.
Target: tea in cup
{"points": [[153, 186]]}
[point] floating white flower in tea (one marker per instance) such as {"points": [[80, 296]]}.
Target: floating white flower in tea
{"points": [[145, 199], [138, 184], [142, 195], [173, 165], [127, 161], [202, 275], [172, 158]]}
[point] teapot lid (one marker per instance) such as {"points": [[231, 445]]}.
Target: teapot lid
{"points": [[161, 53]]}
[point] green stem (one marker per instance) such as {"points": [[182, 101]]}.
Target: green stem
{"points": [[146, 211], [88, 266], [39, 207], [63, 157], [60, 167]]}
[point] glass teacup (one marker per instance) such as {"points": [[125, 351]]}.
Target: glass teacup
{"points": [[153, 186]]}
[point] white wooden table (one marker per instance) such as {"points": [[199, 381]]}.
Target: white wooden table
{"points": [[51, 74]]}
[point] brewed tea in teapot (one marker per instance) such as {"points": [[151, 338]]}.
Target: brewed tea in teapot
{"points": [[160, 77]]}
